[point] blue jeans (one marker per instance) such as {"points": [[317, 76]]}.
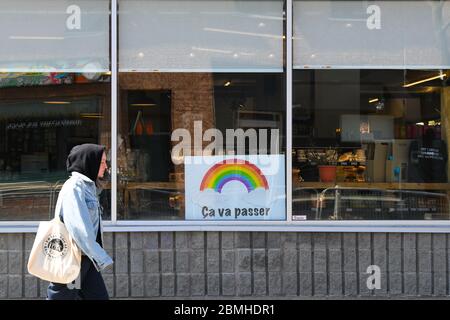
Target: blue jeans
{"points": [[92, 285]]}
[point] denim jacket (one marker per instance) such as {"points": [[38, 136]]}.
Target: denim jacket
{"points": [[79, 208]]}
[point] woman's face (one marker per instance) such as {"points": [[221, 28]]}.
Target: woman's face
{"points": [[103, 166]]}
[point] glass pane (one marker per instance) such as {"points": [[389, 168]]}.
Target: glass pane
{"points": [[204, 145], [370, 144], [54, 94], [167, 121], [54, 36], [42, 116], [211, 36], [372, 34]]}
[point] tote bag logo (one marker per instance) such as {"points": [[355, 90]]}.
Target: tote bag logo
{"points": [[234, 170], [55, 246]]}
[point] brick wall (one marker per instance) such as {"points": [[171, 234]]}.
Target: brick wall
{"points": [[257, 264]]}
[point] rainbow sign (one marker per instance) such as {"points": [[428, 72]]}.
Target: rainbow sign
{"points": [[234, 170]]}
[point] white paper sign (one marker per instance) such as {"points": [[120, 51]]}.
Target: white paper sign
{"points": [[235, 188]]}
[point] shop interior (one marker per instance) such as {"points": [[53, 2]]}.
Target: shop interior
{"points": [[383, 130], [152, 106]]}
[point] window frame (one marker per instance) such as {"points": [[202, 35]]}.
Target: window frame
{"points": [[114, 225]]}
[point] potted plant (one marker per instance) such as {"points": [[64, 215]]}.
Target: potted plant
{"points": [[326, 161]]}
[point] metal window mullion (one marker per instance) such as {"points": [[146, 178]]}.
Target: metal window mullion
{"points": [[114, 76], [289, 66]]}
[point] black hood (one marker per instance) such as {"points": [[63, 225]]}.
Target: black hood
{"points": [[85, 159]]}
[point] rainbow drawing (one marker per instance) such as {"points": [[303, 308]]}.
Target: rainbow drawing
{"points": [[234, 170]]}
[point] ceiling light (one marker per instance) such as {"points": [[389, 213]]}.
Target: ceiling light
{"points": [[34, 38], [91, 115], [57, 102], [373, 100], [211, 50], [246, 53], [143, 104], [265, 35], [441, 76], [228, 83]]}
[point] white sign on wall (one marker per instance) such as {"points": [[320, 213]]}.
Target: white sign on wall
{"points": [[250, 187]]}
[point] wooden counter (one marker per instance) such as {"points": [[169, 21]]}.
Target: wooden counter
{"points": [[179, 186]]}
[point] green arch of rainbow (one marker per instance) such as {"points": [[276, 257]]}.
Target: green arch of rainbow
{"points": [[234, 170]]}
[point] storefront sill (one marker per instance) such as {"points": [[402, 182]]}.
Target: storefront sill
{"points": [[316, 226]]}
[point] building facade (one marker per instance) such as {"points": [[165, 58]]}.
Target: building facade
{"points": [[252, 265], [258, 148]]}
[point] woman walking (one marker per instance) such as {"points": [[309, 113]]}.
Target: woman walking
{"points": [[81, 214]]}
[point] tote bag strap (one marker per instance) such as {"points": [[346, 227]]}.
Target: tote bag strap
{"points": [[58, 208]]}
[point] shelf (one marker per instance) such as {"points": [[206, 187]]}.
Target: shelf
{"points": [[351, 163], [375, 185], [337, 163]]}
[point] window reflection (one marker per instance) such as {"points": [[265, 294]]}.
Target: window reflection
{"points": [[43, 115]]}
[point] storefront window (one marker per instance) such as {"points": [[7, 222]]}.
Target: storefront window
{"points": [[202, 111], [370, 110], [202, 116], [54, 94]]}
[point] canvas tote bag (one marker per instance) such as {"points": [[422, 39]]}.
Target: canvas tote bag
{"points": [[55, 257]]}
